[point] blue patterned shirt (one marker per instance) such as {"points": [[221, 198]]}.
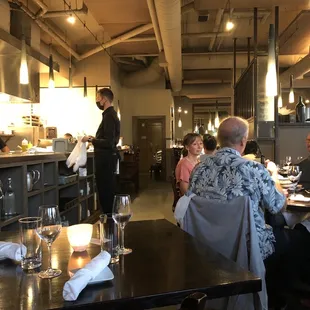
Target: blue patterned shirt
{"points": [[226, 175]]}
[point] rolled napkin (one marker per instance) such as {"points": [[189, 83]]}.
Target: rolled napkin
{"points": [[78, 282], [12, 250]]}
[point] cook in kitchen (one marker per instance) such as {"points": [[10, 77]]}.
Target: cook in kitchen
{"points": [[3, 146], [105, 149]]}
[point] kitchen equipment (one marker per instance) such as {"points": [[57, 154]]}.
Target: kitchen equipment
{"points": [[63, 145], [33, 176]]}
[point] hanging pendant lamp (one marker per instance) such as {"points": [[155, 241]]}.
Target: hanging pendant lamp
{"points": [[271, 76], [85, 87], [280, 102], [23, 70], [210, 123], [217, 119], [70, 73], [291, 96]]}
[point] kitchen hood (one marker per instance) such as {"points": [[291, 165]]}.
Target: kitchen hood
{"points": [[10, 56]]}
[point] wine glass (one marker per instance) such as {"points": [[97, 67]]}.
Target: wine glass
{"points": [[293, 176], [121, 214], [48, 231], [288, 160]]}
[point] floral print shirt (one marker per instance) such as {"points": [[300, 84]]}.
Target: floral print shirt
{"points": [[226, 175]]}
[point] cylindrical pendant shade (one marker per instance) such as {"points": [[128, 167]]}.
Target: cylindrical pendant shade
{"points": [[85, 87], [271, 77]]}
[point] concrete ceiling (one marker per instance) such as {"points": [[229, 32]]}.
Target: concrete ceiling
{"points": [[108, 19]]}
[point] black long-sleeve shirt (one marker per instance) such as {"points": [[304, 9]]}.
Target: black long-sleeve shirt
{"points": [[108, 132]]}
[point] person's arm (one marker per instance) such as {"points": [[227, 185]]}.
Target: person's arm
{"points": [[109, 132], [183, 187], [6, 149], [272, 193]]}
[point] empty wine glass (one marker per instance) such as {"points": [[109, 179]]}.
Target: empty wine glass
{"points": [[293, 176], [121, 214], [288, 160], [48, 231]]}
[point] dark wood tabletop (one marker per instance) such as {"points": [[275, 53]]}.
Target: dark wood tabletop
{"points": [[166, 265]]}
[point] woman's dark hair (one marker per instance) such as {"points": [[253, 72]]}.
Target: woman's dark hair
{"points": [[209, 142], [252, 147], [188, 140]]}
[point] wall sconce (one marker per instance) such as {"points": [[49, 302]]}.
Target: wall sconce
{"points": [[280, 101], [79, 236], [23, 70], [271, 76], [51, 82], [291, 97], [85, 87]]}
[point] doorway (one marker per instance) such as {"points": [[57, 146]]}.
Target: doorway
{"points": [[149, 137]]}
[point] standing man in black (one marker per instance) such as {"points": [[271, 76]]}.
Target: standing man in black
{"points": [[105, 150]]}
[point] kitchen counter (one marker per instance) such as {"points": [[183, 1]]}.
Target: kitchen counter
{"points": [[17, 158]]}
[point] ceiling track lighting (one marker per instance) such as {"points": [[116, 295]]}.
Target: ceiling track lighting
{"points": [[23, 70]]}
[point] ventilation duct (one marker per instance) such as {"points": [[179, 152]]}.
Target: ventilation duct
{"points": [[169, 19], [143, 77]]}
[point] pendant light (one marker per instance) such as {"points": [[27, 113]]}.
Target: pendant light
{"points": [[271, 76], [291, 97], [217, 119], [23, 70], [85, 87], [280, 102], [51, 82], [70, 72], [229, 24], [206, 132], [210, 123], [196, 128]]}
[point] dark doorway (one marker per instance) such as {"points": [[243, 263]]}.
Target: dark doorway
{"points": [[149, 136]]}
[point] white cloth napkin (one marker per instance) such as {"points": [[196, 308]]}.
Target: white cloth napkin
{"points": [[12, 250], [78, 282]]}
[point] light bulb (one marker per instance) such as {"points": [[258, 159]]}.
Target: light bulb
{"points": [[206, 132], [179, 110], [280, 102], [271, 81], [51, 84], [216, 120], [229, 25], [185, 112], [179, 123], [71, 19], [291, 97], [210, 125], [196, 128], [23, 73], [307, 101]]}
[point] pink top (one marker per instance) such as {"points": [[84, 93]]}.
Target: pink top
{"points": [[183, 170]]}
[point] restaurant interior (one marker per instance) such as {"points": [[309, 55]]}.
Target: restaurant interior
{"points": [[174, 67]]}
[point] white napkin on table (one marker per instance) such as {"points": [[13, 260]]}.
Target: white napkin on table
{"points": [[12, 250], [78, 282]]}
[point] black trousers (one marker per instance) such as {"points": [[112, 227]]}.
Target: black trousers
{"points": [[290, 260], [105, 167]]}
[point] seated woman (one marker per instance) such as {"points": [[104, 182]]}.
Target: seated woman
{"points": [[193, 145], [209, 146], [252, 151]]}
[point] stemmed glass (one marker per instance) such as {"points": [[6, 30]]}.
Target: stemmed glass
{"points": [[48, 231], [293, 173], [288, 160], [121, 214]]}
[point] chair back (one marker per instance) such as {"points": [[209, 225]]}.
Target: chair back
{"points": [[229, 228]]}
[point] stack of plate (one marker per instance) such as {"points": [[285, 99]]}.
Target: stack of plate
{"points": [[287, 184]]}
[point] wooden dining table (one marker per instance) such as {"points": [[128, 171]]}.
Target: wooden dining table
{"points": [[166, 265]]}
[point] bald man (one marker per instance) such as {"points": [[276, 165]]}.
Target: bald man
{"points": [[226, 175]]}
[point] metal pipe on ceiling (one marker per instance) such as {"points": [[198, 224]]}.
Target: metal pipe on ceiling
{"points": [[188, 7], [43, 8], [154, 19], [117, 40], [60, 40], [52, 14]]}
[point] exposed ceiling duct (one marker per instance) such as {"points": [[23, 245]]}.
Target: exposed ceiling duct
{"points": [[143, 77], [52, 14], [169, 19]]}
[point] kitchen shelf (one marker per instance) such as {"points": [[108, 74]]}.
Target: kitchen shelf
{"points": [[49, 188], [10, 219], [69, 209], [34, 192], [67, 185]]}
